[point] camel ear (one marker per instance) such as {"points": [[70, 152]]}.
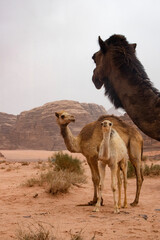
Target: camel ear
{"points": [[134, 45], [102, 45], [57, 114]]}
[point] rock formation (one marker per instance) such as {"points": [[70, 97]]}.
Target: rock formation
{"points": [[37, 128], [7, 136], [2, 157]]}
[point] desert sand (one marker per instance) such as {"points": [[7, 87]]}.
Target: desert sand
{"points": [[62, 215]]}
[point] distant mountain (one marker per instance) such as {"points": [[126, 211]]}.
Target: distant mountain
{"points": [[37, 128]]}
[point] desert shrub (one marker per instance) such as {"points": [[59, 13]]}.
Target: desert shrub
{"points": [[130, 170], [41, 233], [25, 163], [36, 233], [55, 182], [31, 182], [66, 162], [77, 236], [60, 181], [153, 170]]}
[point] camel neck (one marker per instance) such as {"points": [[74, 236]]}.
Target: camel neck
{"points": [[106, 136], [105, 146], [141, 104], [71, 142]]}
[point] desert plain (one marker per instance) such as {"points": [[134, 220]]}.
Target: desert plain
{"points": [[65, 215]]}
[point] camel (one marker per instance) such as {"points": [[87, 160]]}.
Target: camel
{"points": [[127, 84], [112, 152], [88, 142]]}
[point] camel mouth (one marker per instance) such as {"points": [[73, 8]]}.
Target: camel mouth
{"points": [[73, 119], [97, 83]]}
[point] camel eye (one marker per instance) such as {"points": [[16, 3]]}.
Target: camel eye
{"points": [[62, 116], [110, 124]]}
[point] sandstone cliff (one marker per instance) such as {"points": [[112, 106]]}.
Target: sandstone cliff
{"points": [[7, 137]]}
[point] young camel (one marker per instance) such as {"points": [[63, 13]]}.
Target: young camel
{"points": [[112, 152], [88, 142]]}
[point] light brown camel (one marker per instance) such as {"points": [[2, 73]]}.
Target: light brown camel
{"points": [[112, 152], [88, 141], [127, 84]]}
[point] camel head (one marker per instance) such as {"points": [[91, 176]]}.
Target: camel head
{"points": [[64, 118], [106, 126], [105, 56]]}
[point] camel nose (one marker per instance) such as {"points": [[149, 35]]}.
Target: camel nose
{"points": [[104, 124]]}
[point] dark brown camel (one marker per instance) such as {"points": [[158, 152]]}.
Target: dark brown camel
{"points": [[127, 84]]}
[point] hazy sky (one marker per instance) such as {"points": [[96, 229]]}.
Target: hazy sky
{"points": [[46, 47]]}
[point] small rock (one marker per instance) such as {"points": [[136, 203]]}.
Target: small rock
{"points": [[143, 216], [36, 195]]}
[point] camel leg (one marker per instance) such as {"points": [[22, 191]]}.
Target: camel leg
{"points": [[114, 187], [99, 195], [119, 187], [135, 158], [93, 164], [139, 181], [124, 170], [101, 168]]}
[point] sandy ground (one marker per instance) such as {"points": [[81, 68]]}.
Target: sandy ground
{"points": [[62, 215]]}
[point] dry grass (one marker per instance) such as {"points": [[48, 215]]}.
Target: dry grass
{"points": [[12, 167], [32, 182], [153, 170], [42, 233], [66, 162], [2, 161], [60, 176], [61, 181], [35, 233], [25, 163], [56, 181]]}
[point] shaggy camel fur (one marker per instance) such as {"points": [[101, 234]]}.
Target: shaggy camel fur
{"points": [[127, 84], [112, 152], [88, 142]]}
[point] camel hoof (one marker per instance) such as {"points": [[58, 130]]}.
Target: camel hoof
{"points": [[117, 211], [125, 206], [92, 203], [134, 204], [96, 209]]}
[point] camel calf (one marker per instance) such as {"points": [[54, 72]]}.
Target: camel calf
{"points": [[113, 152]]}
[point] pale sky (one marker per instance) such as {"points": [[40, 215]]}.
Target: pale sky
{"points": [[46, 47]]}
